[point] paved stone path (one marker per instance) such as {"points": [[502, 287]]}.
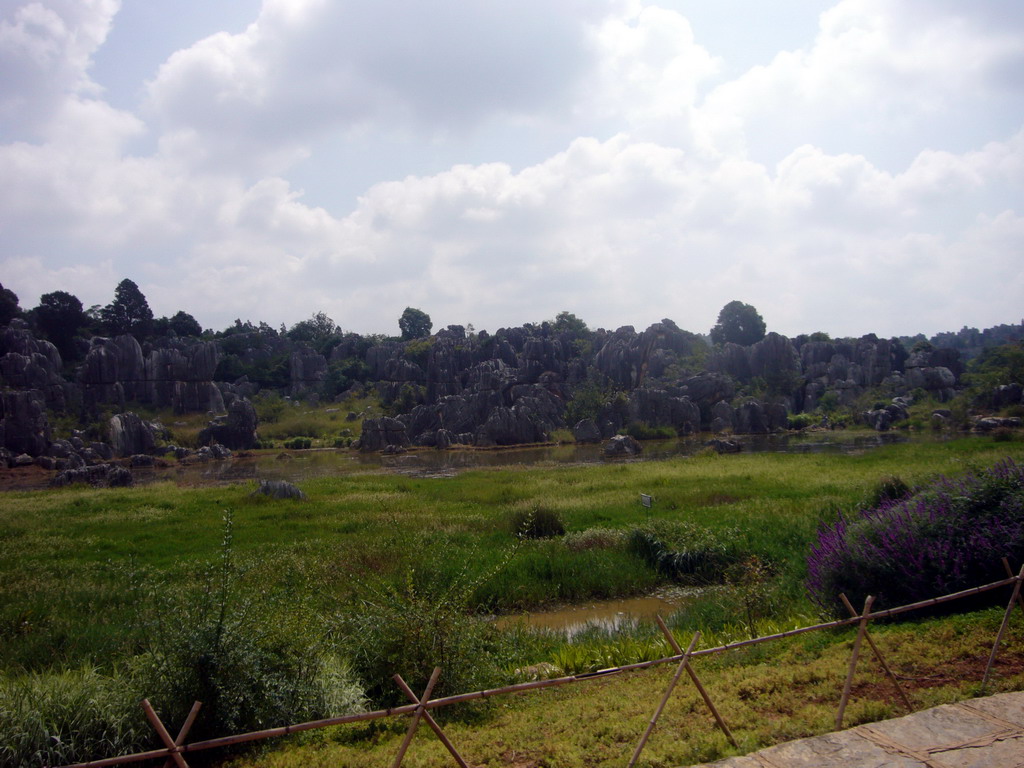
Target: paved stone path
{"points": [[981, 733]]}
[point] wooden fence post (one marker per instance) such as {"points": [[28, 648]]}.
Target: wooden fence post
{"points": [[165, 737], [431, 722], [185, 728], [664, 700], [861, 629], [696, 682], [878, 655], [1002, 629], [416, 715]]}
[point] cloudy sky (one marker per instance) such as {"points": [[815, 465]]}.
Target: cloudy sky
{"points": [[853, 166]]}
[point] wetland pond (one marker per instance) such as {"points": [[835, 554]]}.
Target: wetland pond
{"points": [[297, 466]]}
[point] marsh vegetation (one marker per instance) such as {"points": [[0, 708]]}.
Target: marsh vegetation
{"points": [[277, 610]]}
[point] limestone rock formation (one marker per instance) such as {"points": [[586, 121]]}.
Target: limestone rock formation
{"points": [[24, 426], [131, 435], [382, 432], [236, 430]]}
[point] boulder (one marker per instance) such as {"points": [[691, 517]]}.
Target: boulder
{"points": [[774, 358], [751, 419], [722, 445], [279, 489], [731, 359], [444, 439], [706, 389], [622, 445], [1006, 395], [657, 408]]}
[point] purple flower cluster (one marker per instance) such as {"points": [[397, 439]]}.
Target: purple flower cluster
{"points": [[944, 538]]}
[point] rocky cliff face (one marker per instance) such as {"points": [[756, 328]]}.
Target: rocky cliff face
{"points": [[178, 376]]}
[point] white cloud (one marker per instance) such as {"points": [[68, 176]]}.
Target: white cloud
{"points": [[664, 204], [45, 49], [877, 71], [257, 99]]}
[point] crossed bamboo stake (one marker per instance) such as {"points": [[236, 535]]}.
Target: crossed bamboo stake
{"points": [[174, 745], [684, 666], [421, 712]]}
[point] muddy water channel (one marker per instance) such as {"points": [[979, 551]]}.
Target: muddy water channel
{"points": [[609, 615]]}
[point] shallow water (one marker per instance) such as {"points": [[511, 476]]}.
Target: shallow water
{"points": [[296, 466], [606, 614]]}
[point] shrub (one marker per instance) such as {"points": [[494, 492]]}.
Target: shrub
{"points": [[536, 523], [418, 624], [696, 556], [269, 406], [298, 443], [237, 652], [801, 420], [888, 489], [947, 537]]}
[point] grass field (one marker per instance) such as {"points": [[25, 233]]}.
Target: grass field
{"points": [[76, 565]]}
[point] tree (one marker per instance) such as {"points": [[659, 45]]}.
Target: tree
{"points": [[739, 323], [414, 324], [567, 322], [182, 323], [318, 328], [8, 305], [60, 316], [129, 312]]}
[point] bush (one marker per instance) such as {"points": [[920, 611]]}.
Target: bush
{"points": [[537, 523], [237, 653], [594, 538], [298, 443], [801, 420], [946, 537], [888, 489], [421, 623], [684, 553]]}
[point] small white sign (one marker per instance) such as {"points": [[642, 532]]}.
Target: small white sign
{"points": [[646, 500]]}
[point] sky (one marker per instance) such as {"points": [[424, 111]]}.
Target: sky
{"points": [[850, 167]]}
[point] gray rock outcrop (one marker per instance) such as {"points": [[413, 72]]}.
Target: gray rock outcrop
{"points": [[622, 445], [24, 426], [382, 432], [130, 435], [235, 430]]}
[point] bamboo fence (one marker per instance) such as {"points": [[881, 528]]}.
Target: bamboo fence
{"points": [[174, 750]]}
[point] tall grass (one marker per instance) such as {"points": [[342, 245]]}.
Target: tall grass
{"points": [[68, 716]]}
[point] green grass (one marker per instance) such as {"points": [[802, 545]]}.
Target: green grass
{"points": [[64, 552], [67, 557]]}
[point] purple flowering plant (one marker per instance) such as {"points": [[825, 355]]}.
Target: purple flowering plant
{"points": [[945, 537]]}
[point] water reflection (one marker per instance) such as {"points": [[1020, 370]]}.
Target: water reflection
{"points": [[296, 466], [606, 614]]}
